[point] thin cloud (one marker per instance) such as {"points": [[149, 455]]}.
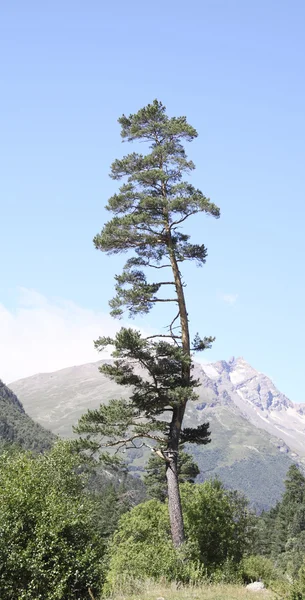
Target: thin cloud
{"points": [[44, 335], [230, 298]]}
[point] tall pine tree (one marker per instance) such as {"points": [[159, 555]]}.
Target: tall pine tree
{"points": [[155, 477], [148, 211]]}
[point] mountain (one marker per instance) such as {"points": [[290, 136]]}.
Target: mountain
{"points": [[257, 432], [57, 400], [257, 398], [17, 427]]}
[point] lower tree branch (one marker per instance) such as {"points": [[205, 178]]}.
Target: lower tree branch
{"points": [[161, 335]]}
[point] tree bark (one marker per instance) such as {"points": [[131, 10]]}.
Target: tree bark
{"points": [[174, 501], [182, 309]]}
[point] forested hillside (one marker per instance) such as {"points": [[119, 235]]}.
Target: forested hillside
{"points": [[17, 427]]}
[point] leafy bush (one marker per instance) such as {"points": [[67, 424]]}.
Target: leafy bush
{"points": [[217, 527], [217, 521], [142, 548], [49, 546], [255, 568], [298, 587]]}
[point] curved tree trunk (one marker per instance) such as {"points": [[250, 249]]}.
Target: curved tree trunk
{"points": [[174, 500]]}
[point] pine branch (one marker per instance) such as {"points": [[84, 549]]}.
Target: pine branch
{"points": [[129, 440], [157, 266], [174, 337], [161, 335], [165, 300], [174, 223]]}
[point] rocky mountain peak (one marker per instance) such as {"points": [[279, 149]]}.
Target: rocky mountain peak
{"points": [[235, 370], [256, 396], [241, 371], [254, 387]]}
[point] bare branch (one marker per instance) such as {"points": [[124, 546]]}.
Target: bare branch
{"points": [[171, 328], [143, 228], [193, 212], [161, 454], [124, 442], [161, 335], [158, 451], [90, 593], [164, 300], [157, 266]]}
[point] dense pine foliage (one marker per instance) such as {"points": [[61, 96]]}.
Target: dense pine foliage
{"points": [[155, 477], [281, 531]]}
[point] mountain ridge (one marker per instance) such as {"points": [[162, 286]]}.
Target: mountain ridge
{"points": [[260, 401], [69, 392], [254, 427]]}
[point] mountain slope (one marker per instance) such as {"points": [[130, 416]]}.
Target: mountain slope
{"points": [[257, 398], [252, 423], [57, 400], [17, 427]]}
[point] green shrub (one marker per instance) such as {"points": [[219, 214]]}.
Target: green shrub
{"points": [[142, 549], [217, 522], [49, 546], [228, 572], [255, 568], [298, 587], [217, 527]]}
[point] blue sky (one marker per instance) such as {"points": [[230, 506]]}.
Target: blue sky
{"points": [[68, 71]]}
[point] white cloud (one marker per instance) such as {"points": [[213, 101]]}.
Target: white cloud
{"points": [[230, 298], [44, 335]]}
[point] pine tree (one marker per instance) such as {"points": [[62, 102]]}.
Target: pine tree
{"points": [[155, 477], [294, 486], [148, 211], [280, 532]]}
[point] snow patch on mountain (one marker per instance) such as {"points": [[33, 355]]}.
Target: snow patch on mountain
{"points": [[210, 371], [257, 398], [232, 385]]}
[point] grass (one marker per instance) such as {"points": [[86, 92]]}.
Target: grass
{"points": [[151, 591]]}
